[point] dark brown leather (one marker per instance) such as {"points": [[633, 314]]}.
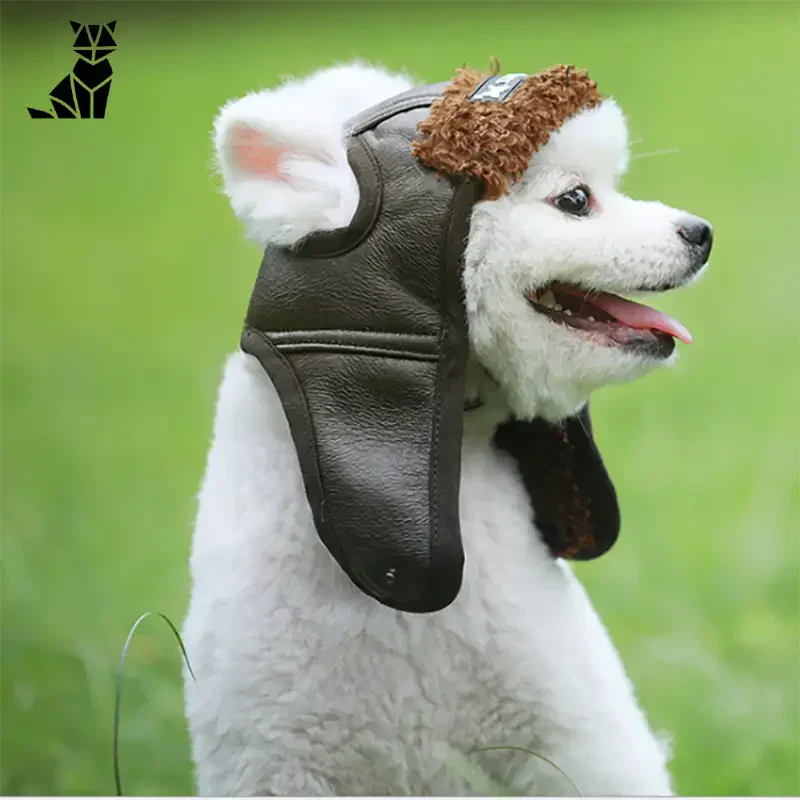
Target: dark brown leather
{"points": [[363, 333], [574, 502]]}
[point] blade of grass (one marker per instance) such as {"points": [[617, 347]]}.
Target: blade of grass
{"points": [[537, 755], [120, 672]]}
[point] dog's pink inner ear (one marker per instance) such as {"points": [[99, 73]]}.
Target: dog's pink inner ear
{"points": [[255, 154]]}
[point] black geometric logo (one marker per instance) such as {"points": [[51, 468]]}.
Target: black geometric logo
{"points": [[84, 92]]}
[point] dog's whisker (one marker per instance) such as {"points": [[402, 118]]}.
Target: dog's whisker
{"points": [[666, 152]]}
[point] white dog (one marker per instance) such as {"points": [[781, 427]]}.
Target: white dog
{"points": [[305, 684]]}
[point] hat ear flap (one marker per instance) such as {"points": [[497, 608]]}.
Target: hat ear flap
{"points": [[574, 502], [363, 333]]}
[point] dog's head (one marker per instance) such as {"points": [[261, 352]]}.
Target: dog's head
{"points": [[547, 255], [556, 242], [93, 43], [548, 246]]}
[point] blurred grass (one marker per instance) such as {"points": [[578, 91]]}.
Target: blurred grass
{"points": [[125, 278]]}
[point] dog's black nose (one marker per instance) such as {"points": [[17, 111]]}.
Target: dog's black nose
{"points": [[699, 234]]}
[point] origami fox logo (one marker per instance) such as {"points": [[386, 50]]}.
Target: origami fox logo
{"points": [[84, 92]]}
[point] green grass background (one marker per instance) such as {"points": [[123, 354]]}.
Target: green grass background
{"points": [[124, 283]]}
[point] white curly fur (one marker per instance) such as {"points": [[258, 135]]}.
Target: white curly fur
{"points": [[305, 686]]}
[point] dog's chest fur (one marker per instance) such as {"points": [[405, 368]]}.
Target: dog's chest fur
{"points": [[296, 666]]}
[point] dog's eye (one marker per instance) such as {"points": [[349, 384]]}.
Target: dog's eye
{"points": [[575, 201]]}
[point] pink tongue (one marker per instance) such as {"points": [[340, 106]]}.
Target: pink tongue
{"points": [[638, 316]]}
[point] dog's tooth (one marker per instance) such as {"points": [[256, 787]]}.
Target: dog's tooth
{"points": [[558, 307], [591, 319], [567, 312], [548, 299]]}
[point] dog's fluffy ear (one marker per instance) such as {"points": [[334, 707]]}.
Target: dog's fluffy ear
{"points": [[284, 166]]}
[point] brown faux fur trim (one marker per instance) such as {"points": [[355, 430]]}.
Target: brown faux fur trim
{"points": [[496, 141]]}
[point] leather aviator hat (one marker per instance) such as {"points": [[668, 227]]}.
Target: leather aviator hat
{"points": [[363, 332]]}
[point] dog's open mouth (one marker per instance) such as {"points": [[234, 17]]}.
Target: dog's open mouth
{"points": [[609, 319]]}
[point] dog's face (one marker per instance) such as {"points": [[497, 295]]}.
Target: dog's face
{"points": [[93, 43], [545, 261]]}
